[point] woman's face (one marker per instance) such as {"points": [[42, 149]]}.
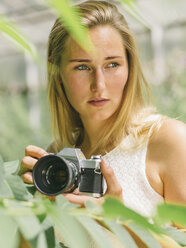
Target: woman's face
{"points": [[94, 84]]}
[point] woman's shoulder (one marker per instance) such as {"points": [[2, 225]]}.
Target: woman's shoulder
{"points": [[167, 147], [171, 134]]}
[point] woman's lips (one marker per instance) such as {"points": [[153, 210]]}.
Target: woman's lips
{"points": [[98, 102]]}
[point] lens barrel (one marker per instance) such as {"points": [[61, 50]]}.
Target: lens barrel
{"points": [[53, 175]]}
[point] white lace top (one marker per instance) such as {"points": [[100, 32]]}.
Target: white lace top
{"points": [[129, 168]]}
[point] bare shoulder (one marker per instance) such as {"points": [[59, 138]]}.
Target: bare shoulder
{"points": [[168, 151], [169, 142], [171, 135]]}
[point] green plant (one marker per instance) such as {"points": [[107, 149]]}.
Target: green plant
{"points": [[33, 219], [12, 32], [15, 130]]}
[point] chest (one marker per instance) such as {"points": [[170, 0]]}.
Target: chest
{"points": [[130, 169]]}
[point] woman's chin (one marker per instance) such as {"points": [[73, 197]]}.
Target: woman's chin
{"points": [[100, 117]]}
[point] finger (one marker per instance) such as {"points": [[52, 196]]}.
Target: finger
{"points": [[27, 177], [80, 199], [76, 191], [28, 163], [35, 151], [109, 175], [113, 187]]}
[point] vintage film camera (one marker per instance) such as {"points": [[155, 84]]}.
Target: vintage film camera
{"points": [[65, 171]]}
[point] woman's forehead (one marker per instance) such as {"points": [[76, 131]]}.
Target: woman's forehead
{"points": [[106, 40]]}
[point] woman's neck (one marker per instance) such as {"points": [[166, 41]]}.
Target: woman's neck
{"points": [[92, 135]]}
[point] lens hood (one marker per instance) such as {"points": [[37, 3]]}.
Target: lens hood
{"points": [[51, 175]]}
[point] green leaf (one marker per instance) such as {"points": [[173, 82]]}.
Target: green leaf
{"points": [[11, 167], [144, 235], [12, 32], [178, 235], [97, 232], [71, 19], [61, 245], [113, 208], [93, 208], [29, 226], [49, 232], [58, 246], [5, 190], [40, 241], [64, 204], [171, 213], [9, 235], [30, 188], [18, 188], [131, 8], [17, 208], [121, 233], [68, 227], [128, 2], [1, 160]]}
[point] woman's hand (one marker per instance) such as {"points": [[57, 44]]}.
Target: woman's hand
{"points": [[113, 188], [33, 153]]}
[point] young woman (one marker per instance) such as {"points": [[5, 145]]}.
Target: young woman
{"points": [[97, 105]]}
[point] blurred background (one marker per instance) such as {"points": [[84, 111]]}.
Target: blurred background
{"points": [[24, 109]]}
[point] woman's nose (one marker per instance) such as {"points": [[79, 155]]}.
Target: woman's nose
{"points": [[98, 81]]}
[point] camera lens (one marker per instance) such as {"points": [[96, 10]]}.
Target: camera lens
{"points": [[56, 175], [53, 175]]}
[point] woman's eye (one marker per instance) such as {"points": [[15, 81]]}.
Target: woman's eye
{"points": [[81, 67], [112, 65]]}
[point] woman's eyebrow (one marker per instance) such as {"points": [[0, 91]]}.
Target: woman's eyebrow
{"points": [[114, 57], [79, 60], [89, 60]]}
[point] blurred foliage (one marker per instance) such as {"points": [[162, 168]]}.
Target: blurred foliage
{"points": [[71, 18], [170, 95], [13, 33], [32, 220], [15, 130]]}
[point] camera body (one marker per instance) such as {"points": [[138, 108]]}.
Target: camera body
{"points": [[66, 170]]}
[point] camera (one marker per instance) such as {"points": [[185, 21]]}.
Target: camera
{"points": [[65, 171]]}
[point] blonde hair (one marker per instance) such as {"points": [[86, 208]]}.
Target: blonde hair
{"points": [[129, 118]]}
